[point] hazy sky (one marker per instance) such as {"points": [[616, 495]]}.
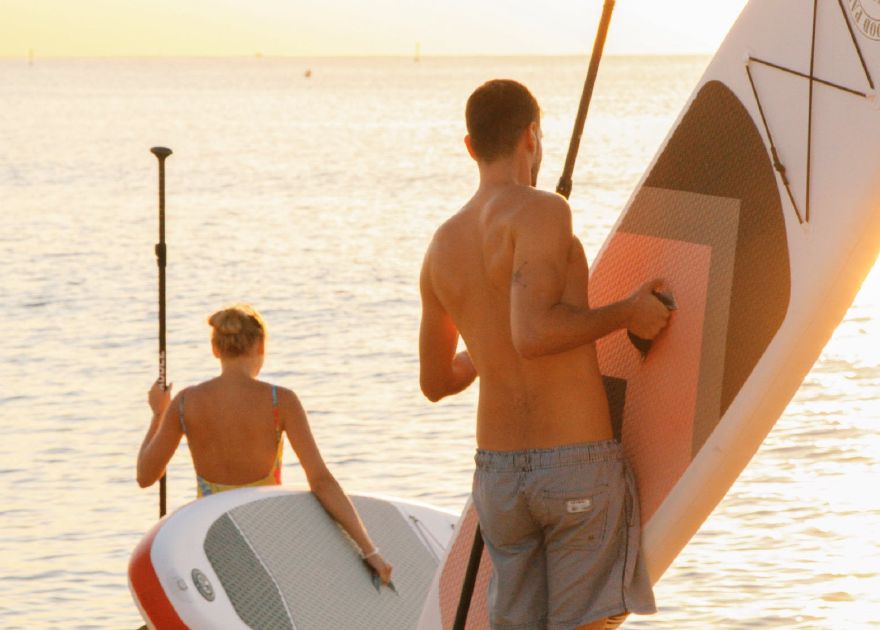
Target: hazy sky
{"points": [[356, 27]]}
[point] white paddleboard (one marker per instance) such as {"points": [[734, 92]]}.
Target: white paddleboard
{"points": [[271, 557], [762, 212]]}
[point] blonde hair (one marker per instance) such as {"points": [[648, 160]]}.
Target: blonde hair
{"points": [[236, 329]]}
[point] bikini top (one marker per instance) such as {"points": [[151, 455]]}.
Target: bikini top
{"points": [[273, 478]]}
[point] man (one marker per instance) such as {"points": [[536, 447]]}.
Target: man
{"points": [[555, 499]]}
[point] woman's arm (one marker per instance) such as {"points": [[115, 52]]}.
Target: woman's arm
{"points": [[324, 485], [161, 439]]}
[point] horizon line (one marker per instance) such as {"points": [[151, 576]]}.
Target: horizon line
{"points": [[258, 55]]}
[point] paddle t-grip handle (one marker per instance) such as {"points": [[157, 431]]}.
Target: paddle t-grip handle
{"points": [[161, 152]]}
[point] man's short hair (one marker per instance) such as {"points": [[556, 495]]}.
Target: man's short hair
{"points": [[496, 114]]}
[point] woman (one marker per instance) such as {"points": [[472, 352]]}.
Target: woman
{"points": [[234, 425]]}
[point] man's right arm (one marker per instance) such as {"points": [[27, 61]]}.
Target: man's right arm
{"points": [[541, 323], [442, 371]]}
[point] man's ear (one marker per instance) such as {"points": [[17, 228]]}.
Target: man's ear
{"points": [[531, 134], [470, 148]]}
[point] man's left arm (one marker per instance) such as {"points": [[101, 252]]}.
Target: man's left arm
{"points": [[442, 372]]}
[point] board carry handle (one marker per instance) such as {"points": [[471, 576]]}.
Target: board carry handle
{"points": [[644, 345]]}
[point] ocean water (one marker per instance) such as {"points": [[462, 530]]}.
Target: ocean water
{"points": [[313, 199]]}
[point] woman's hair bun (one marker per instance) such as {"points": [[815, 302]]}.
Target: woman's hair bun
{"points": [[236, 329], [227, 322]]}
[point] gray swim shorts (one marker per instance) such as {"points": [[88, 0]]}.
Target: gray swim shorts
{"points": [[562, 528]]}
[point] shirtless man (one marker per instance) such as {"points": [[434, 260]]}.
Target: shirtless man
{"points": [[555, 498]]}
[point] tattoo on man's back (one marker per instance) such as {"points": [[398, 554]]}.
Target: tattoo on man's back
{"points": [[517, 278]]}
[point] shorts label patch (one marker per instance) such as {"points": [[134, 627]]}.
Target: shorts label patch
{"points": [[573, 506]]}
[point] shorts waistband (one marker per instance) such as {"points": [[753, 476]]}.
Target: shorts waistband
{"points": [[540, 458]]}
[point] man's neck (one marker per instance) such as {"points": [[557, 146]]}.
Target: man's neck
{"points": [[505, 172]]}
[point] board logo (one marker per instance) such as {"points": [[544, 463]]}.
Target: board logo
{"points": [[866, 14]]}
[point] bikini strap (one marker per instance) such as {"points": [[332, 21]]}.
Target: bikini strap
{"points": [[276, 412], [180, 414]]}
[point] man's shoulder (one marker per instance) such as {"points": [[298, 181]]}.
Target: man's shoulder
{"points": [[439, 242], [449, 232], [542, 208], [548, 199]]}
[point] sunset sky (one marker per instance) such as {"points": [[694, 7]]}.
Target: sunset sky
{"points": [[356, 27]]}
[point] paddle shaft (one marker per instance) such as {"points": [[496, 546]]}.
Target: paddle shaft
{"points": [[564, 185], [564, 189], [162, 259], [470, 579]]}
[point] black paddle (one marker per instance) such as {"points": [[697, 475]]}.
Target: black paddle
{"points": [[564, 189], [161, 258], [470, 580], [564, 185]]}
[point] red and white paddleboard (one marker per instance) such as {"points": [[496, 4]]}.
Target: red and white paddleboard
{"points": [[271, 557]]}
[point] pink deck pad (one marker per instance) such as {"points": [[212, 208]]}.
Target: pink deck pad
{"points": [[661, 390]]}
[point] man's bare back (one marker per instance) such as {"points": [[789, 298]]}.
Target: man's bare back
{"points": [[481, 259], [509, 276]]}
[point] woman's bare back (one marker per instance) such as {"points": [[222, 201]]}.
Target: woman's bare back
{"points": [[231, 430]]}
